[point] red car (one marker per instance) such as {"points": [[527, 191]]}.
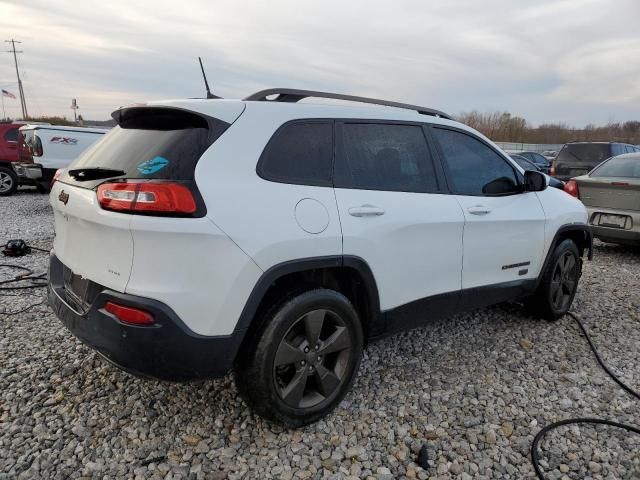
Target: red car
{"points": [[8, 155]]}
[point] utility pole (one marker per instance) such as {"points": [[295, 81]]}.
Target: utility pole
{"points": [[23, 102]]}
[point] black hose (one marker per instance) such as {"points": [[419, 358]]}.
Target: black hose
{"points": [[535, 458]]}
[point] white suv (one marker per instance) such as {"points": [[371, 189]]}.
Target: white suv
{"points": [[275, 238]]}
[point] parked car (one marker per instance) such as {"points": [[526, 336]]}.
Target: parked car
{"points": [[611, 193], [528, 165], [541, 162], [43, 149], [8, 156], [202, 236], [578, 158]]}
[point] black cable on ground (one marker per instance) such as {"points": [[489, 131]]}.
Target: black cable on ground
{"points": [[28, 276], [535, 456]]}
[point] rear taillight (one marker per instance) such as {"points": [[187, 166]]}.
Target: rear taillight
{"points": [[56, 175], [147, 197], [130, 315], [571, 187], [552, 170]]}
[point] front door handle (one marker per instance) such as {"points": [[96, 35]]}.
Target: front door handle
{"points": [[479, 210], [366, 211]]}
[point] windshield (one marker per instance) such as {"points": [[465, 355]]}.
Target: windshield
{"points": [[628, 167]]}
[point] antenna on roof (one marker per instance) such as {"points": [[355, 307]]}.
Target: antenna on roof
{"points": [[206, 84]]}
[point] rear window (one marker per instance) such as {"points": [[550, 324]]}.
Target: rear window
{"points": [[619, 167], [589, 153], [151, 143]]}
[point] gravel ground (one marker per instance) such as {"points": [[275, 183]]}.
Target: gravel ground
{"points": [[470, 391]]}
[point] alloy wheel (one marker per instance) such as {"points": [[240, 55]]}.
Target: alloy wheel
{"points": [[6, 182], [564, 281], [311, 362]]}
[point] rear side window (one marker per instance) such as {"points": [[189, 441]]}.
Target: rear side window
{"points": [[151, 143], [11, 135], [385, 157], [299, 153], [474, 168]]}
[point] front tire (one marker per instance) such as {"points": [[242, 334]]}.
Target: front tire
{"points": [[559, 283], [304, 360], [8, 181]]}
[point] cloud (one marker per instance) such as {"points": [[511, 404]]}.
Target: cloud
{"points": [[567, 60]]}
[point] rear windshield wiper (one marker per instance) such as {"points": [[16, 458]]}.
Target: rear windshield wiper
{"points": [[94, 173]]}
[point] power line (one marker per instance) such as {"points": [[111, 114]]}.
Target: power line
{"points": [[23, 101]]}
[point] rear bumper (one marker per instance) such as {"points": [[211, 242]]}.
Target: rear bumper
{"points": [[168, 350], [28, 171], [630, 236]]}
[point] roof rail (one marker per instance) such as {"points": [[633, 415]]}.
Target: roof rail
{"points": [[292, 95]]}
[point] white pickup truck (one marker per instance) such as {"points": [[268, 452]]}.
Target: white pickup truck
{"points": [[43, 149]]}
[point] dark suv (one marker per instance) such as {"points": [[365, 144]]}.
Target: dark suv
{"points": [[579, 158]]}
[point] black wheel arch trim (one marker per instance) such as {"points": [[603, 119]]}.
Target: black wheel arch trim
{"points": [[561, 233], [294, 266]]}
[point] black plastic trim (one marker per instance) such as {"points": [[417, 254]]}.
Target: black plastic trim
{"points": [[167, 350], [578, 227]]}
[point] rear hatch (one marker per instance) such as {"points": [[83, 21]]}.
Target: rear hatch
{"points": [[139, 168], [612, 193], [577, 159]]}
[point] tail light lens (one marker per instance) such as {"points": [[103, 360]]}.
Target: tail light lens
{"points": [[153, 198], [130, 315], [571, 187], [56, 175]]}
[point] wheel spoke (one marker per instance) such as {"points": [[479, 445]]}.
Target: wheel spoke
{"points": [[338, 341], [288, 354], [327, 380], [569, 285], [569, 264], [293, 392], [313, 323]]}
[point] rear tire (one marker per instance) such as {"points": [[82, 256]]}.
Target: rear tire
{"points": [[303, 361], [559, 283], [8, 181]]}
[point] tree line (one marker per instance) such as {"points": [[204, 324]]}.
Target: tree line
{"points": [[504, 127]]}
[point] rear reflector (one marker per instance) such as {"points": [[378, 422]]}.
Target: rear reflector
{"points": [[146, 197], [130, 315], [56, 175], [571, 187]]}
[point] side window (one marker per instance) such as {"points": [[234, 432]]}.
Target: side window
{"points": [[389, 157], [299, 153], [11, 135], [474, 168]]}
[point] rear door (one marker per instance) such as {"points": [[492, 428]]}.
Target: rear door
{"points": [[395, 211], [504, 227], [149, 144]]}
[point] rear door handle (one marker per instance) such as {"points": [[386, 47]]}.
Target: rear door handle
{"points": [[479, 210], [366, 211]]}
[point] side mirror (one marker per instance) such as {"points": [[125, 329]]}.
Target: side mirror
{"points": [[534, 181]]}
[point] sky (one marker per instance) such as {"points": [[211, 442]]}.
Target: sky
{"points": [[571, 61]]}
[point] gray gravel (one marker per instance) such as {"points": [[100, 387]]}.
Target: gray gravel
{"points": [[473, 390]]}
